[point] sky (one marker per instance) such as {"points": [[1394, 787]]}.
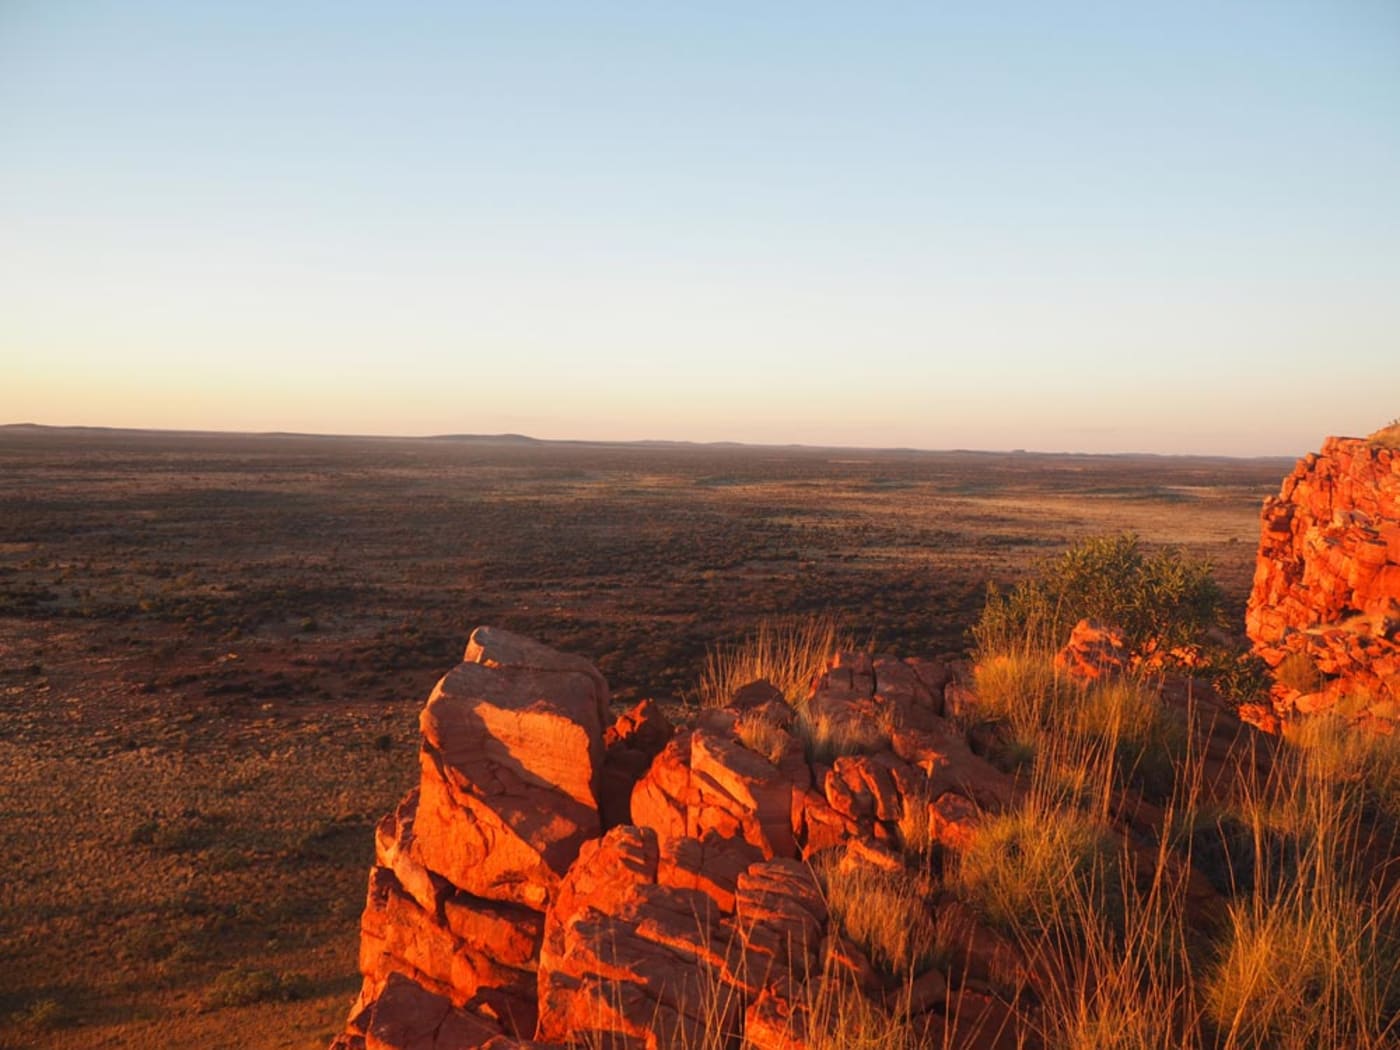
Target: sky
{"points": [[1164, 227]]}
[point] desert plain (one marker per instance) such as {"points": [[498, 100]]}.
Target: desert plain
{"points": [[213, 651]]}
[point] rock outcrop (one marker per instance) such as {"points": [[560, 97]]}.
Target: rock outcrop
{"points": [[1325, 608], [559, 878], [1093, 651]]}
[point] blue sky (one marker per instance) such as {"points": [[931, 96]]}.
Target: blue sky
{"points": [[1094, 227]]}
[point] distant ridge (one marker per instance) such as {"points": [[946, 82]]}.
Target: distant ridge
{"points": [[497, 439], [525, 440]]}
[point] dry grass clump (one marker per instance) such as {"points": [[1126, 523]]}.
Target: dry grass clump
{"points": [[1023, 865], [1312, 954], [884, 912], [1387, 436], [1364, 767], [1019, 687], [787, 653], [841, 1018], [1314, 966], [758, 732], [827, 737], [1041, 707], [915, 826], [1297, 671]]}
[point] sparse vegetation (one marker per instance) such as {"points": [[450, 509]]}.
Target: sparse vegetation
{"points": [[42, 1015], [1297, 671], [826, 738], [884, 912], [1161, 600], [1309, 950], [1387, 436], [788, 653], [243, 986], [217, 695]]}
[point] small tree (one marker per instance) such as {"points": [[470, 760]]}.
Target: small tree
{"points": [[1162, 599]]}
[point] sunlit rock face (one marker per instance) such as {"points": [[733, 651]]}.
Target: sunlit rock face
{"points": [[1325, 608], [553, 880]]}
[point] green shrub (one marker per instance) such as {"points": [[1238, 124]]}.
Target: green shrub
{"points": [[1162, 599], [1241, 678]]}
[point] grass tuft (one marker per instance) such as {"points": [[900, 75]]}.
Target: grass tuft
{"points": [[787, 653], [884, 912]]}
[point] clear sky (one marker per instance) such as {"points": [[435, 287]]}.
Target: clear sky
{"points": [[1112, 226]]}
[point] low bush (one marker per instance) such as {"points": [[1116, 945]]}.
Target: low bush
{"points": [[1161, 599]]}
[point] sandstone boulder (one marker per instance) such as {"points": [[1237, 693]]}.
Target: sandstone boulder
{"points": [[510, 761]]}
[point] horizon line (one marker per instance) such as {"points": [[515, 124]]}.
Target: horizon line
{"points": [[517, 438]]}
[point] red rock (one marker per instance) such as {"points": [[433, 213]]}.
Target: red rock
{"points": [[817, 825], [493, 647], [397, 937], [393, 849], [606, 874], [1328, 572], [1093, 650], [781, 916], [659, 799], [977, 953], [928, 991], [775, 1022], [651, 971], [711, 865], [408, 1017], [862, 788], [974, 1021], [954, 820], [735, 792], [943, 756], [844, 960], [959, 701], [631, 743], [756, 694], [510, 763], [1259, 716]]}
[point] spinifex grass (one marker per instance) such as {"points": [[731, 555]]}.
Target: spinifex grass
{"points": [[787, 653]]}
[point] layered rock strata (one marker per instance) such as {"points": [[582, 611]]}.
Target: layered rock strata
{"points": [[1325, 607]]}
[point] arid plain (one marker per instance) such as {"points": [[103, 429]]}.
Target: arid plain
{"points": [[213, 649]]}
